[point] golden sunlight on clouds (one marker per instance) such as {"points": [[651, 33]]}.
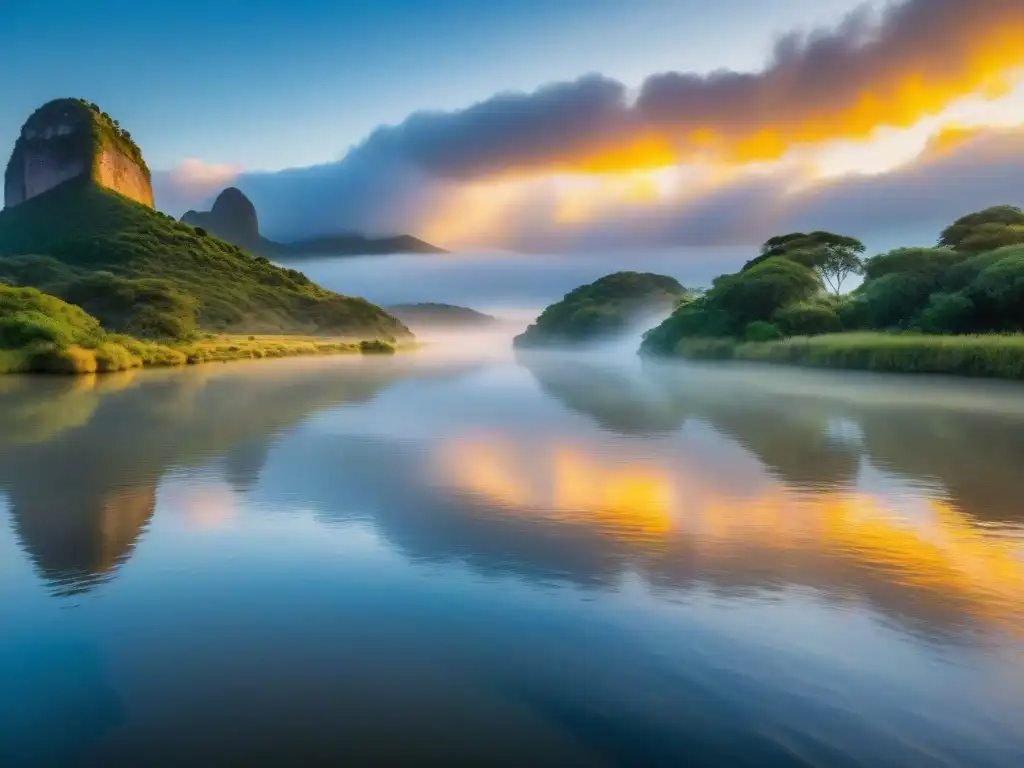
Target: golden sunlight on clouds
{"points": [[486, 211], [888, 149], [653, 506]]}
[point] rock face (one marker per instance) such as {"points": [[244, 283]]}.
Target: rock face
{"points": [[68, 139], [232, 218]]}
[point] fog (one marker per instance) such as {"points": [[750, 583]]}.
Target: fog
{"points": [[505, 284]]}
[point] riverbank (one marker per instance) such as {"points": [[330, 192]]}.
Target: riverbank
{"points": [[989, 356], [120, 353]]}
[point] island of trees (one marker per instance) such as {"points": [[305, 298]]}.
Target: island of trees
{"points": [[603, 308], [954, 308]]}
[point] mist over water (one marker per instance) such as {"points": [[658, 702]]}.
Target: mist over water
{"points": [[468, 555], [504, 283]]}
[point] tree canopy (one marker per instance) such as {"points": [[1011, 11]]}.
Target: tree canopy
{"points": [[985, 230], [973, 283]]}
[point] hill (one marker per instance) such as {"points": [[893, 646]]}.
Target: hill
{"points": [[140, 271], [70, 139], [602, 308], [447, 315], [349, 245], [233, 218]]}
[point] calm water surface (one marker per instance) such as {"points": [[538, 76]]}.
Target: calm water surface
{"points": [[567, 560]]}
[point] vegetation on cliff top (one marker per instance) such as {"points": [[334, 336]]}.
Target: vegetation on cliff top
{"points": [[97, 131], [972, 283], [143, 273], [602, 308]]}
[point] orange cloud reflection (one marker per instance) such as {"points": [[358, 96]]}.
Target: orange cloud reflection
{"points": [[650, 507]]}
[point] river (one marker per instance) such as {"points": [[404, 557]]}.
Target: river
{"points": [[458, 556]]}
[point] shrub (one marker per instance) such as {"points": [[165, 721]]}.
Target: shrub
{"points": [[26, 315], [376, 347], [693, 320], [892, 300], [807, 319], [998, 294], [112, 357], [147, 308], [947, 313], [70, 360], [759, 330], [23, 328]]}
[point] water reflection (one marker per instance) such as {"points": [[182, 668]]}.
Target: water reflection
{"points": [[81, 459], [591, 560]]}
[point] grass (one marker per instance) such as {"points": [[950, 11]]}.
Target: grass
{"points": [[989, 356], [122, 353], [43, 334], [60, 240]]}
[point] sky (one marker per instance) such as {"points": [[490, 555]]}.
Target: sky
{"points": [[632, 122]]}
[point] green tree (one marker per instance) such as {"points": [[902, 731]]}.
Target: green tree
{"points": [[758, 293], [834, 257], [977, 231], [911, 260]]}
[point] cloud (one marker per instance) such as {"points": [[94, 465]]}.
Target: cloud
{"points": [[191, 184], [497, 169], [983, 168], [828, 84]]}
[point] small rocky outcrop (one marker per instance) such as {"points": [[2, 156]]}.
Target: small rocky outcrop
{"points": [[68, 139], [232, 218]]}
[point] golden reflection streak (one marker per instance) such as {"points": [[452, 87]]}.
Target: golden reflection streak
{"points": [[643, 504]]}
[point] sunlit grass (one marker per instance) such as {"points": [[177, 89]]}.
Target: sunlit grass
{"points": [[122, 353], [992, 356]]}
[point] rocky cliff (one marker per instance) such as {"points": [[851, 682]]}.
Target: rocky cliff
{"points": [[68, 139], [232, 218]]}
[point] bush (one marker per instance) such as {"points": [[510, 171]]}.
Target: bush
{"points": [[28, 316], [759, 330], [807, 319], [147, 308], [693, 320], [893, 300], [376, 347], [947, 313], [998, 294], [71, 360], [24, 328], [114, 357]]}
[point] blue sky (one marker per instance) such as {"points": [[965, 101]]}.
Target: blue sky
{"points": [[271, 84]]}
